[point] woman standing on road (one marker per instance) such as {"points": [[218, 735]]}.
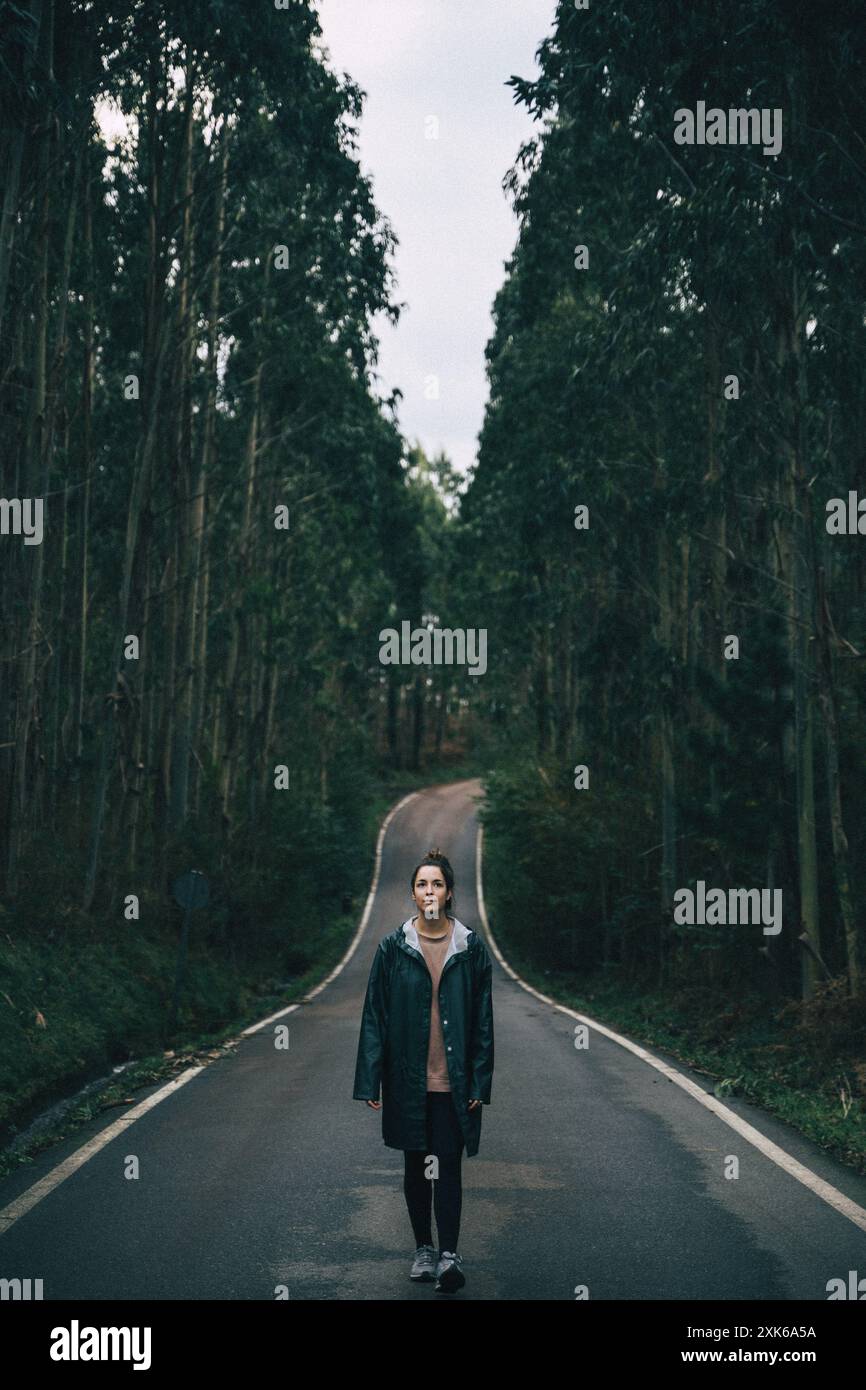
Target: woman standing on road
{"points": [[427, 1037]]}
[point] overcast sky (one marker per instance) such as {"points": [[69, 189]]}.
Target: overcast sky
{"points": [[446, 61]]}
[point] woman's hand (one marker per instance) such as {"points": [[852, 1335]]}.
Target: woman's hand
{"points": [[473, 1103]]}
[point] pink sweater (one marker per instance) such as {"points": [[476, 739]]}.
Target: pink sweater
{"points": [[434, 953]]}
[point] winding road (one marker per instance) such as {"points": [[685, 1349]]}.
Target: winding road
{"points": [[596, 1170]]}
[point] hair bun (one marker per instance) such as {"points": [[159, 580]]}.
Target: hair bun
{"points": [[436, 853]]}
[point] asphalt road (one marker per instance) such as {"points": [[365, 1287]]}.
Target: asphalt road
{"points": [[593, 1169]]}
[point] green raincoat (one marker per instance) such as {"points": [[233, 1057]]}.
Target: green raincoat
{"points": [[395, 1031]]}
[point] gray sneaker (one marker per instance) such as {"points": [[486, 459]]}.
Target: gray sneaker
{"points": [[449, 1272], [424, 1264]]}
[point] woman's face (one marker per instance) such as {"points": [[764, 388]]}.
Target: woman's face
{"points": [[430, 892]]}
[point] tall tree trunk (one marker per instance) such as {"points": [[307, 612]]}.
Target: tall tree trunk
{"points": [[392, 716], [202, 550], [797, 550], [239, 645], [419, 689], [440, 712], [718, 555], [853, 945], [666, 732], [541, 666], [87, 376], [35, 485], [142, 471], [56, 376], [13, 158], [665, 700], [155, 348], [188, 518]]}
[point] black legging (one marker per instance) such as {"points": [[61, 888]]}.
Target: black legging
{"points": [[446, 1198]]}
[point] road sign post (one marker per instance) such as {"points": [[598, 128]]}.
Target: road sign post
{"points": [[191, 890]]}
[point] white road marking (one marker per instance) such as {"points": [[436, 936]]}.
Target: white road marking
{"points": [[829, 1194], [27, 1200], [70, 1165]]}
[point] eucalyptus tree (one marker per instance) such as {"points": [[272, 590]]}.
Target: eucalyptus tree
{"points": [[189, 322], [674, 375]]}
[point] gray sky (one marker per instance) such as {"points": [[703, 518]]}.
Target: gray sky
{"points": [[447, 60]]}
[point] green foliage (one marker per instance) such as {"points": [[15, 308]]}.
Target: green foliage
{"points": [[606, 390]]}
